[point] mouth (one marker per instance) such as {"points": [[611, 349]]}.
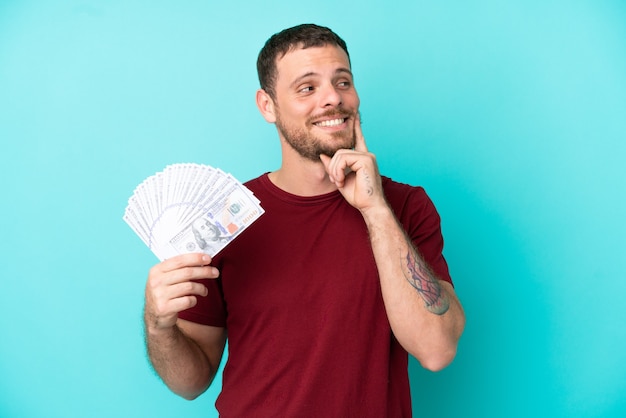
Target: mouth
{"points": [[330, 123]]}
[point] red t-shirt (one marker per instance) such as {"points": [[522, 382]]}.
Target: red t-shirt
{"points": [[300, 297]]}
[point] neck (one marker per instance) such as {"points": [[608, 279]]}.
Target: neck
{"points": [[302, 177]]}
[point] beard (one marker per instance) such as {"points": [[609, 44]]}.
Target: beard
{"points": [[310, 146]]}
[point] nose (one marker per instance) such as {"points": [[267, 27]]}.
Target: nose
{"points": [[331, 96]]}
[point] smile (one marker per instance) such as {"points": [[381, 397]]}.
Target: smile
{"points": [[330, 123]]}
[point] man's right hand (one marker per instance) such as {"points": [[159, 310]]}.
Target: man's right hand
{"points": [[170, 288]]}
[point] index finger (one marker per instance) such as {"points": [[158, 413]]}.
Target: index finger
{"points": [[359, 143], [186, 260]]}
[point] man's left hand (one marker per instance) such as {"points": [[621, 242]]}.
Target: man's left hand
{"points": [[355, 173]]}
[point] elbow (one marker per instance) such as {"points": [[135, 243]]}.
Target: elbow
{"points": [[437, 354], [190, 389], [437, 361], [441, 352], [189, 396], [189, 392], [436, 357]]}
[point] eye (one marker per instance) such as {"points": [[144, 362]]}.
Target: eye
{"points": [[306, 89], [344, 84]]}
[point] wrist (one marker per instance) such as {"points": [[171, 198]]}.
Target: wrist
{"points": [[378, 214], [157, 330]]}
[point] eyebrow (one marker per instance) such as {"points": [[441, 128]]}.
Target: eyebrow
{"points": [[311, 73]]}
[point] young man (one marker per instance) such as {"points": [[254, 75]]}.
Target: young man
{"points": [[323, 296]]}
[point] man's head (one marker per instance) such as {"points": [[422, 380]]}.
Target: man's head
{"points": [[302, 36], [309, 91]]}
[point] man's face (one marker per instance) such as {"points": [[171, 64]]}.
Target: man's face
{"points": [[316, 103]]}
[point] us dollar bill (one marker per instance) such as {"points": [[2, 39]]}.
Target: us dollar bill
{"points": [[190, 207]]}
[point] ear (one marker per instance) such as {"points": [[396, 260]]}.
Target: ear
{"points": [[266, 105]]}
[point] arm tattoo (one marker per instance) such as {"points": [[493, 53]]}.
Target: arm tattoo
{"points": [[426, 285]]}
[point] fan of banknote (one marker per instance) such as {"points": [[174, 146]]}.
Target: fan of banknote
{"points": [[190, 208]]}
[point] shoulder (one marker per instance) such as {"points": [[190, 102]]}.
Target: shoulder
{"points": [[256, 182], [259, 186], [400, 194], [411, 204]]}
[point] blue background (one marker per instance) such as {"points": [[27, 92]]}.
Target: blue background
{"points": [[511, 114]]}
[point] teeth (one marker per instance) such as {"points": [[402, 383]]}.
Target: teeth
{"points": [[329, 123]]}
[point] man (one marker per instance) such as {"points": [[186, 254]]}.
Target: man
{"points": [[325, 294]]}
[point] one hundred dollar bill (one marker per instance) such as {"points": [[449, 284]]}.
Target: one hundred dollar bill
{"points": [[190, 208]]}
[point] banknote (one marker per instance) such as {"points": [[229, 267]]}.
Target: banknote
{"points": [[223, 220], [189, 207]]}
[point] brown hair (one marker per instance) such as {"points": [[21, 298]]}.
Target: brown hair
{"points": [[304, 36]]}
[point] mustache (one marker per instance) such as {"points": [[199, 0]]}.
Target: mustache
{"points": [[333, 113]]}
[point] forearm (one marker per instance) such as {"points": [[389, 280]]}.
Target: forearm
{"points": [[179, 361], [423, 311]]}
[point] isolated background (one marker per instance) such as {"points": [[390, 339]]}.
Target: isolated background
{"points": [[511, 114]]}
